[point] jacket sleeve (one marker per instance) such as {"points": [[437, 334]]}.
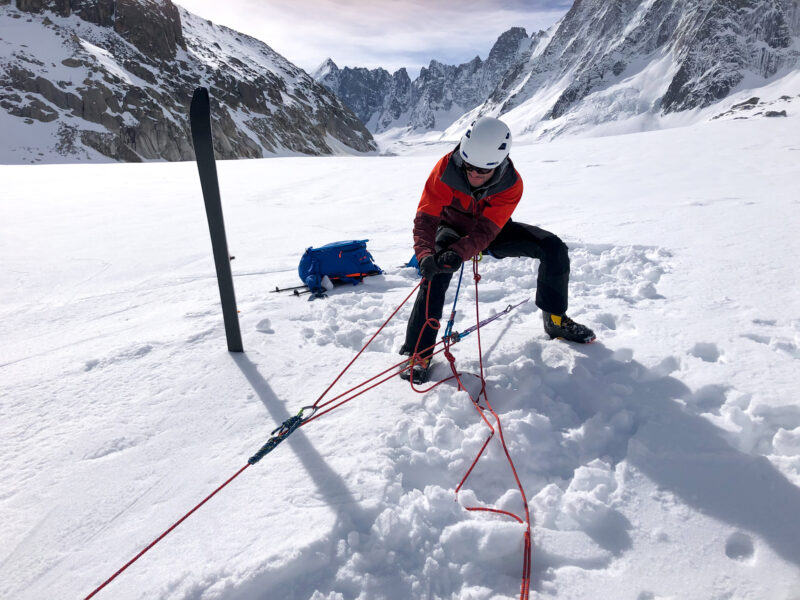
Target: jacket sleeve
{"points": [[493, 217], [435, 196]]}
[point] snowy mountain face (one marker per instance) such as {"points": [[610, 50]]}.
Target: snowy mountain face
{"points": [[731, 39], [711, 46], [113, 80], [433, 100], [604, 62], [609, 61]]}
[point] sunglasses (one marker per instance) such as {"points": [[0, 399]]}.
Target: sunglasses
{"points": [[468, 167]]}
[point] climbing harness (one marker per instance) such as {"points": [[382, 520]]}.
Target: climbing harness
{"points": [[322, 406]]}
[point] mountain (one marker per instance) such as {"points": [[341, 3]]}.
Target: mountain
{"points": [[113, 79], [433, 100], [611, 60], [606, 62]]}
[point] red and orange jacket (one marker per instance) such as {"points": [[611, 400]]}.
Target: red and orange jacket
{"points": [[477, 215]]}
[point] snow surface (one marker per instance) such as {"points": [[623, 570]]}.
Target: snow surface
{"points": [[662, 462]]}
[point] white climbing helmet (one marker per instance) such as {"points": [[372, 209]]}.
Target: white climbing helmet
{"points": [[486, 143]]}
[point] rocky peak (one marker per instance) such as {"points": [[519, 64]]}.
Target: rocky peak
{"points": [[328, 67], [434, 99], [507, 46]]}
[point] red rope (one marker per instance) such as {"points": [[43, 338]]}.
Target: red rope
{"points": [[526, 561], [319, 404], [163, 535], [360, 352], [526, 565]]}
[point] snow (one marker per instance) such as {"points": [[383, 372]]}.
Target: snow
{"points": [[105, 58], [662, 461]]}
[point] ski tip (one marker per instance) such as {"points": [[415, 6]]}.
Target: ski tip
{"points": [[200, 94], [200, 107]]}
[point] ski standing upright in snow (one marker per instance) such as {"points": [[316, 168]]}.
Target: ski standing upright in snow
{"points": [[200, 120]]}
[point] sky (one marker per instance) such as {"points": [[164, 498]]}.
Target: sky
{"points": [[400, 33]]}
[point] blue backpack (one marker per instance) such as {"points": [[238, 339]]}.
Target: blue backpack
{"points": [[340, 262]]}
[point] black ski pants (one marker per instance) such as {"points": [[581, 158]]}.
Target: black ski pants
{"points": [[515, 239]]}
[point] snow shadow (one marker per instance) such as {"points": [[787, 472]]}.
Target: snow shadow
{"points": [[310, 569], [627, 411], [329, 484]]}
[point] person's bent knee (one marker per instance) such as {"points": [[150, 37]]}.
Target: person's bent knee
{"points": [[556, 255]]}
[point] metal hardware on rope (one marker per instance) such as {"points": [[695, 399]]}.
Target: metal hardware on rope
{"points": [[449, 329], [455, 337], [283, 431]]}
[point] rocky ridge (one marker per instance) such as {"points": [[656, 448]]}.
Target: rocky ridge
{"points": [[113, 78], [439, 95]]}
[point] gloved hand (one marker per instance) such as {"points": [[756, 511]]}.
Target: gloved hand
{"points": [[449, 261], [428, 267]]}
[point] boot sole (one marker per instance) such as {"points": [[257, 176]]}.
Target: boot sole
{"points": [[558, 337]]}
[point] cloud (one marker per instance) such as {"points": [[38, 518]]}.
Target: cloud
{"points": [[389, 34]]}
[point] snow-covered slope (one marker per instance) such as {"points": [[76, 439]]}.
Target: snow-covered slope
{"points": [[89, 81], [662, 461], [629, 59]]}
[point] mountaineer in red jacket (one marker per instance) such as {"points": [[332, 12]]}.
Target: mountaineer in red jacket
{"points": [[466, 209]]}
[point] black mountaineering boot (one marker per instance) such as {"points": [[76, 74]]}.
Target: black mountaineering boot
{"points": [[561, 326], [419, 372]]}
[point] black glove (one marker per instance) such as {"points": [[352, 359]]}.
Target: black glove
{"points": [[428, 267], [448, 261]]}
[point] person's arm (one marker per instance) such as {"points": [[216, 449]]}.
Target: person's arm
{"points": [[435, 195], [489, 223]]}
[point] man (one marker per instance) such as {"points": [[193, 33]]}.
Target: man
{"points": [[466, 209]]}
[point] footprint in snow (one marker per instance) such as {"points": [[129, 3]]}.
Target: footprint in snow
{"points": [[776, 343], [705, 351], [132, 353], [607, 320], [768, 322], [111, 447], [739, 546]]}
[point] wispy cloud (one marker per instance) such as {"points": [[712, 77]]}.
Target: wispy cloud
{"points": [[389, 34]]}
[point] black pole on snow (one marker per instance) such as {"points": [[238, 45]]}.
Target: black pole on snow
{"points": [[200, 120]]}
